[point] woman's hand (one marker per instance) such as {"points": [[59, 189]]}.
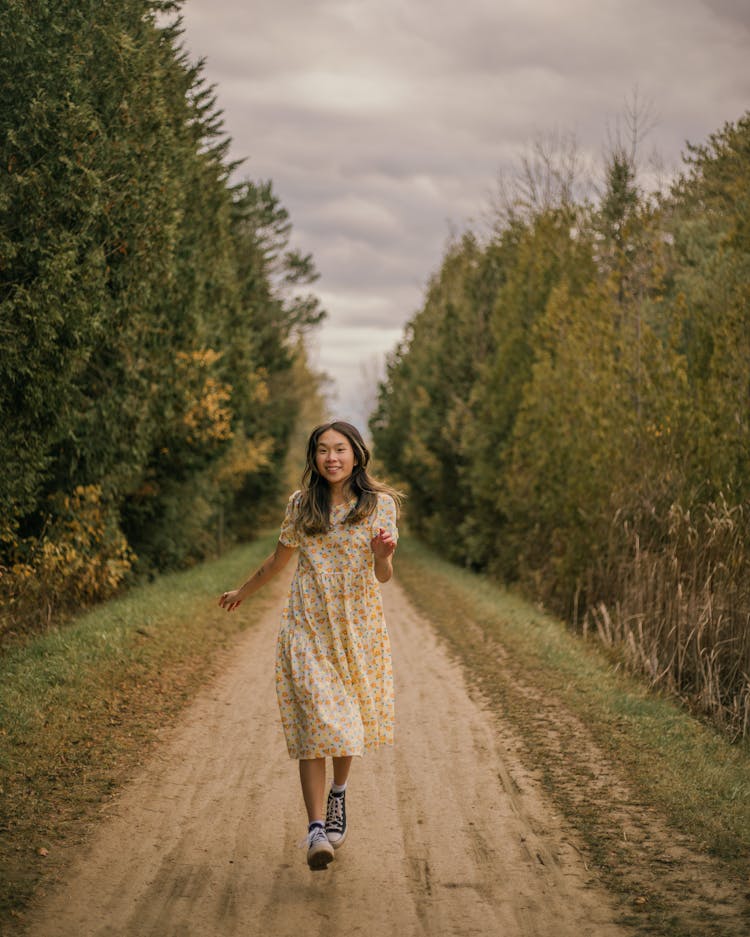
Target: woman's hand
{"points": [[267, 570], [383, 545], [230, 600]]}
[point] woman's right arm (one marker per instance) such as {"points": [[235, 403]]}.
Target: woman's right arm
{"points": [[272, 564]]}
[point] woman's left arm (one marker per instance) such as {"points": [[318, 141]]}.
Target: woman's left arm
{"points": [[382, 547]]}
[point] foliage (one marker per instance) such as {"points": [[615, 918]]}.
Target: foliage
{"points": [[80, 556], [150, 310], [576, 384]]}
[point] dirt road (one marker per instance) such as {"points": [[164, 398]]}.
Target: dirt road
{"points": [[448, 835]]}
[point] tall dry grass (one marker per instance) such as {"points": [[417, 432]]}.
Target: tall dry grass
{"points": [[680, 610]]}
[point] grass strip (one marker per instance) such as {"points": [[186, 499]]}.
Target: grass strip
{"points": [[79, 705], [679, 766]]}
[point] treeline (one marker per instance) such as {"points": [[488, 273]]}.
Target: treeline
{"points": [[570, 410], [152, 313]]}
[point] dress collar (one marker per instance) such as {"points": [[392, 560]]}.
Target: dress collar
{"points": [[345, 504]]}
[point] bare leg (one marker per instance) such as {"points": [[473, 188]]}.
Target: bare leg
{"points": [[341, 768], [312, 775]]}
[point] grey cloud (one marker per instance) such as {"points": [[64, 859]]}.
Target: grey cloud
{"points": [[372, 307], [735, 11]]}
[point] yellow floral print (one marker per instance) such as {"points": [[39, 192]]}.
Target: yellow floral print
{"points": [[334, 679]]}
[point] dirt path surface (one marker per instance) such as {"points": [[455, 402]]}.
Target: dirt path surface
{"points": [[448, 835]]}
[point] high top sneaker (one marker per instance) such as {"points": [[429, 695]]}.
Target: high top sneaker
{"points": [[336, 818], [319, 850]]}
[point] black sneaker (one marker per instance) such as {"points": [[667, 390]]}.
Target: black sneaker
{"points": [[319, 851], [336, 819]]}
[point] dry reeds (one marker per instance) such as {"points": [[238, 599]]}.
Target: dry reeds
{"points": [[679, 606]]}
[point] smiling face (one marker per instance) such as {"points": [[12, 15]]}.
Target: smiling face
{"points": [[334, 457]]}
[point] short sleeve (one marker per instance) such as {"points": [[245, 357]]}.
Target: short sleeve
{"points": [[288, 534], [385, 516]]}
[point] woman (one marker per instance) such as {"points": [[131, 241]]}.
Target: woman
{"points": [[334, 680]]}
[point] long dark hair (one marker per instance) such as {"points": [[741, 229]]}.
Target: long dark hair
{"points": [[314, 501]]}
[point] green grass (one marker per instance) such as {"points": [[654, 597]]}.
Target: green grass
{"points": [[533, 670], [80, 704]]}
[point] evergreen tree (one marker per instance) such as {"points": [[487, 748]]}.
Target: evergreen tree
{"points": [[150, 309]]}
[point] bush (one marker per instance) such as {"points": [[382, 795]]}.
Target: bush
{"points": [[81, 557]]}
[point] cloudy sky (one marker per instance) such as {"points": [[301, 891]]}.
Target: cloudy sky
{"points": [[384, 124]]}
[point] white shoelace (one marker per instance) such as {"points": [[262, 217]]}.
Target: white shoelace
{"points": [[313, 835], [335, 814]]}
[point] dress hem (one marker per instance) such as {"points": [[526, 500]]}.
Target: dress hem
{"points": [[339, 754]]}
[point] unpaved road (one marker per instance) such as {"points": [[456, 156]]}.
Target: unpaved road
{"points": [[448, 835]]}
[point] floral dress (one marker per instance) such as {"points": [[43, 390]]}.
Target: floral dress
{"points": [[334, 680]]}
